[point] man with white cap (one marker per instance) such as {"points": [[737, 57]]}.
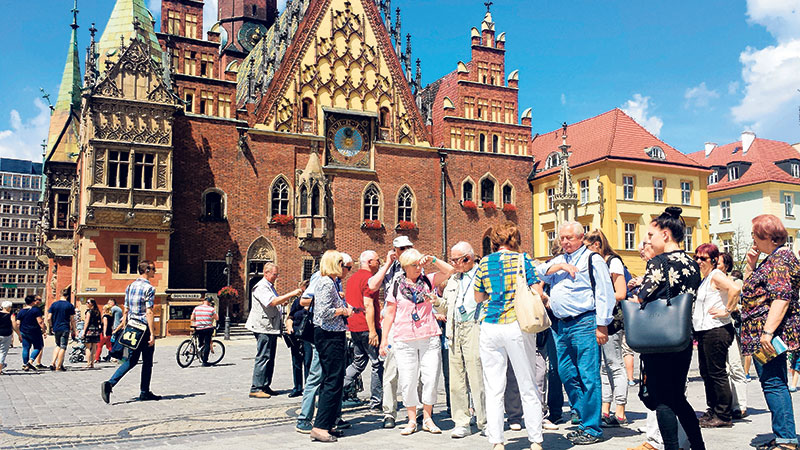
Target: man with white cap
{"points": [[382, 279]]}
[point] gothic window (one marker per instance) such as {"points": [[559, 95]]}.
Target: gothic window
{"points": [[487, 190], [280, 197], [372, 203], [117, 169], [508, 195], [384, 117], [143, 165], [466, 190], [62, 210], [495, 144], [303, 200], [405, 205], [315, 199], [482, 143], [307, 107], [214, 206]]}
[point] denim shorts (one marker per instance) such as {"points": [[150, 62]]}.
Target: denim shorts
{"points": [[62, 339]]}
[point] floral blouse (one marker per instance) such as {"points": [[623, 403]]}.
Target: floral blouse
{"points": [[668, 275], [776, 278], [326, 300]]}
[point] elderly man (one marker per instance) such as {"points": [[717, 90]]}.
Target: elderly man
{"points": [[462, 331], [265, 323], [582, 299]]}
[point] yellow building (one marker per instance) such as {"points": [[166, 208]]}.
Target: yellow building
{"points": [[621, 177]]}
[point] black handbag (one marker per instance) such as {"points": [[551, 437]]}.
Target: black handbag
{"points": [[117, 349], [617, 321], [305, 329], [659, 326]]}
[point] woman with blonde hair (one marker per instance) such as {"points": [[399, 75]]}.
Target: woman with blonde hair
{"points": [[501, 339], [330, 325], [409, 317]]}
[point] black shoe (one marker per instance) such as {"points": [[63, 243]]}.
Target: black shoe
{"points": [[573, 434], [270, 391], [388, 422], [294, 394], [52, 368], [105, 391], [342, 424], [707, 415], [147, 396], [336, 432], [715, 422], [41, 367], [32, 367], [739, 415], [585, 439]]}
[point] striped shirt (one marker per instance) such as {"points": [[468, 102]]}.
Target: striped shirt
{"points": [[496, 276], [203, 317], [139, 296]]}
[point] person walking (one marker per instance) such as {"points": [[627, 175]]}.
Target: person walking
{"points": [[32, 329], [584, 308], [365, 330], [501, 339], [264, 321], [203, 318], [139, 301], [61, 318], [713, 331], [330, 312], [669, 273], [463, 334], [91, 331], [8, 326], [409, 317], [770, 310], [107, 322], [735, 364]]}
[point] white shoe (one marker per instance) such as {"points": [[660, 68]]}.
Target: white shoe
{"points": [[515, 427], [460, 432], [498, 447], [536, 446], [548, 425]]}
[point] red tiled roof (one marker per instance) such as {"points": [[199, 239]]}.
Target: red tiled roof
{"points": [[611, 135], [762, 154]]}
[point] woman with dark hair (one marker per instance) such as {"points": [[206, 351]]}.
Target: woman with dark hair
{"points": [[713, 330], [91, 331], [769, 311], [725, 262], [612, 366], [670, 273]]}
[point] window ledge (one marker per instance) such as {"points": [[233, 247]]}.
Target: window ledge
{"points": [[725, 221]]}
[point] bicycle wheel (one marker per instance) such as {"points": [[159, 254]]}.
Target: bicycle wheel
{"points": [[186, 352], [216, 353]]}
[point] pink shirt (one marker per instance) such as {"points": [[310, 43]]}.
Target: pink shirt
{"points": [[404, 327]]}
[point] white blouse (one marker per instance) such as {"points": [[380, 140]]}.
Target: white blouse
{"points": [[709, 298]]}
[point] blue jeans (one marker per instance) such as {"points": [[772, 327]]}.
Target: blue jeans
{"points": [[313, 381], [34, 341], [555, 392], [579, 368], [779, 401], [144, 351]]}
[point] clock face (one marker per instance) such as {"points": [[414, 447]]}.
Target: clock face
{"points": [[348, 140], [250, 34]]}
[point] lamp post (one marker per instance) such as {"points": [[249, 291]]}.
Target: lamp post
{"points": [[228, 261]]}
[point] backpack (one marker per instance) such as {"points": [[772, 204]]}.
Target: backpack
{"points": [[617, 322]]}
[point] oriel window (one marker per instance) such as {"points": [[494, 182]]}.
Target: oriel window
{"points": [[117, 169], [143, 166]]}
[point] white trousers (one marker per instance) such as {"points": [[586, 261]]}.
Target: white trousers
{"points": [[501, 343], [418, 360], [738, 379]]}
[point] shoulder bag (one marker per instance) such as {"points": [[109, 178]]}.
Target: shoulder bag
{"points": [[305, 329], [528, 306], [659, 326], [132, 334]]}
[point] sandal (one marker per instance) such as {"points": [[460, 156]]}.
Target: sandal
{"points": [[410, 428], [429, 426]]}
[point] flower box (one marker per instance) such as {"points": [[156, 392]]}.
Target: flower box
{"points": [[509, 208], [469, 204], [406, 225], [489, 206], [228, 292], [372, 225], [282, 219]]}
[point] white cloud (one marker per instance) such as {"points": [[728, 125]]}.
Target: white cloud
{"points": [[733, 87], [281, 5], [563, 99], [210, 11], [699, 96], [23, 138], [638, 108], [771, 75]]}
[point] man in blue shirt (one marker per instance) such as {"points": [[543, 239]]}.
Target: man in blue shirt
{"points": [[61, 318], [583, 311]]}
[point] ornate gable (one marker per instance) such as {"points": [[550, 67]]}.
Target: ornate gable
{"points": [[342, 58]]}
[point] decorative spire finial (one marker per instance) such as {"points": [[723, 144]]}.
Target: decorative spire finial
{"points": [[564, 133], [488, 5], [74, 15]]}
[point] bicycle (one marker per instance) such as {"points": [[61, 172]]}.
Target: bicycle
{"points": [[190, 349]]}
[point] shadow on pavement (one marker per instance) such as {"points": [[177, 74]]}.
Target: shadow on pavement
{"points": [[163, 398]]}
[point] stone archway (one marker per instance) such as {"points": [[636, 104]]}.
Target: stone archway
{"points": [[259, 253]]}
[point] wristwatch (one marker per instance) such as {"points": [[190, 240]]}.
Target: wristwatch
{"points": [[768, 333]]}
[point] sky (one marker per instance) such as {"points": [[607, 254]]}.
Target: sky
{"points": [[690, 71]]}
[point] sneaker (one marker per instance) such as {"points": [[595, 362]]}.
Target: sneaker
{"points": [[375, 409], [547, 425], [294, 394], [460, 432], [632, 382], [609, 421], [585, 439], [32, 367], [388, 422], [793, 389], [748, 377], [352, 403], [303, 427], [147, 396], [536, 446], [105, 391], [52, 368], [515, 427], [41, 367], [575, 418]]}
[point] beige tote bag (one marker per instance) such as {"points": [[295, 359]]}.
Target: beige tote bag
{"points": [[531, 313]]}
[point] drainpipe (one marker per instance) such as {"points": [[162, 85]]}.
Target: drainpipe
{"points": [[443, 166]]}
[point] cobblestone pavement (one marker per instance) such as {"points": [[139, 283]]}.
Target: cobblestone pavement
{"points": [[208, 407]]}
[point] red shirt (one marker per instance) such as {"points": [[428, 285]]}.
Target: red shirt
{"points": [[356, 290]]}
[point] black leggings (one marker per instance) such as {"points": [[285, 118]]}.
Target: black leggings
{"points": [[666, 382]]}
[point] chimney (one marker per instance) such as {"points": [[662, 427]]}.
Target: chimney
{"points": [[748, 137], [710, 146]]}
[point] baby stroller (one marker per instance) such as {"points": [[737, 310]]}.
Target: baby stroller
{"points": [[77, 353]]}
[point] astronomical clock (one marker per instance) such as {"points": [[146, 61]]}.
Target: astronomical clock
{"points": [[348, 140], [249, 35]]}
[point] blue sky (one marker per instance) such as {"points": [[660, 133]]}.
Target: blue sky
{"points": [[689, 71]]}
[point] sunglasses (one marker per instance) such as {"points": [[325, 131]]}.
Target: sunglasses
{"points": [[701, 258], [350, 267], [460, 259], [404, 248]]}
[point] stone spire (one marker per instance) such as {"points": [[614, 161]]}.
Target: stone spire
{"points": [[565, 201], [418, 78], [63, 133], [90, 74], [396, 33], [129, 19], [406, 58]]}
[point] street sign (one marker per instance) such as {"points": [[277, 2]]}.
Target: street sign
{"points": [[9, 286]]}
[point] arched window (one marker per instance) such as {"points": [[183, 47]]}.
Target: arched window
{"points": [[486, 246], [405, 205], [553, 160], [482, 143], [214, 207], [383, 118], [656, 152], [307, 107], [466, 189], [280, 197], [372, 203], [508, 195], [495, 144], [303, 200], [315, 198], [487, 190]]}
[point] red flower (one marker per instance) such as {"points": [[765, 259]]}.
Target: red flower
{"points": [[372, 224], [407, 225], [228, 291], [282, 219], [489, 206], [508, 207], [469, 204]]}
